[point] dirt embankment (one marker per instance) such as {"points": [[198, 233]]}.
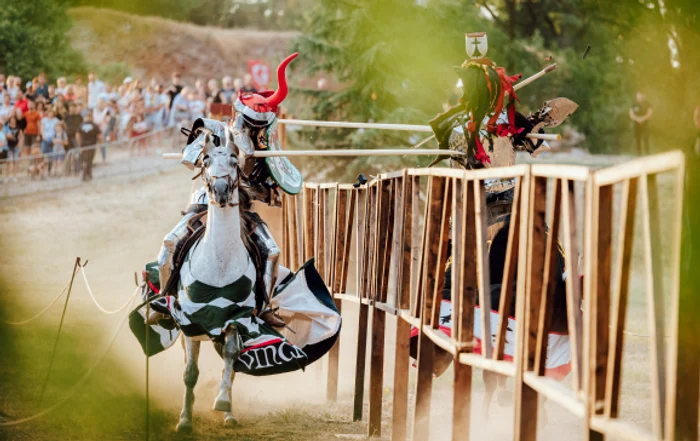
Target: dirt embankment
{"points": [[155, 47]]}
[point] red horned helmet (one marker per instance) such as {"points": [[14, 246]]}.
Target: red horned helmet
{"points": [[269, 100]]}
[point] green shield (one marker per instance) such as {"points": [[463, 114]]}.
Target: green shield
{"points": [[282, 171]]}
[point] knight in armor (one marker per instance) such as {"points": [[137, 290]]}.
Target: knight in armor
{"points": [[253, 127], [487, 127]]}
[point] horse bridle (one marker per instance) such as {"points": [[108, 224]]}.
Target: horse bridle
{"points": [[233, 184]]}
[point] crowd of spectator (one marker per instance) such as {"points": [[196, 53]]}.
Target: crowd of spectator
{"points": [[42, 122]]}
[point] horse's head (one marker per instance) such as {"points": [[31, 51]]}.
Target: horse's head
{"points": [[220, 171]]}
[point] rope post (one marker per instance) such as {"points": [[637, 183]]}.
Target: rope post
{"points": [[148, 416], [60, 327]]}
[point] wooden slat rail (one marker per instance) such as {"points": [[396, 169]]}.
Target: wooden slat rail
{"points": [[606, 295], [405, 224]]}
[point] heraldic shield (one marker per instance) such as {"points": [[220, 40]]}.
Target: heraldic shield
{"points": [[282, 171], [477, 44]]}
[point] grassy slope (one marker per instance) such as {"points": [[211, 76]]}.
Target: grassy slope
{"points": [[154, 46]]}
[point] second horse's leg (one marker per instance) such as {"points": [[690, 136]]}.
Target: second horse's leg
{"points": [[229, 419], [191, 375], [490, 383], [231, 351]]}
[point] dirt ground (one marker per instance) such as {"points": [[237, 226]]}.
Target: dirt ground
{"points": [[118, 224]]}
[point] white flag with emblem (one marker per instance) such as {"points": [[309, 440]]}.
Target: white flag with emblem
{"points": [[477, 44]]}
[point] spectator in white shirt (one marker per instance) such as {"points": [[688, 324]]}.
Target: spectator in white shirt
{"points": [[6, 108], [95, 88], [61, 86], [163, 105], [99, 115], [198, 105], [12, 88], [180, 109]]}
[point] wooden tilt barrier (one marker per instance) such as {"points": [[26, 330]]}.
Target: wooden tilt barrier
{"points": [[402, 225]]}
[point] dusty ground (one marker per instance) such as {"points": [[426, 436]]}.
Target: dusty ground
{"points": [[118, 224]]}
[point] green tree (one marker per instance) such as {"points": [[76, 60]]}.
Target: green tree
{"points": [[393, 58], [33, 38]]}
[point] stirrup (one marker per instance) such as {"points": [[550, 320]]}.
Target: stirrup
{"points": [[154, 316], [271, 317]]}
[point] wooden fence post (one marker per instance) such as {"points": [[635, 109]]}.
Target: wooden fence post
{"points": [[337, 249], [525, 396], [404, 237], [463, 299], [426, 347], [379, 281], [361, 354]]}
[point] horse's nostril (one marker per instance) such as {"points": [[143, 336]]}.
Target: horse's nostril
{"points": [[221, 187]]}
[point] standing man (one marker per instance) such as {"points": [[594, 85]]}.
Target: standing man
{"points": [[248, 86], [180, 108], [73, 122], [88, 136], [95, 88], [42, 88], [175, 88], [640, 113], [79, 89], [227, 93], [33, 121]]}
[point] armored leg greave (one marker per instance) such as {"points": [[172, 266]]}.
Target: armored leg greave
{"points": [[170, 243], [272, 250]]}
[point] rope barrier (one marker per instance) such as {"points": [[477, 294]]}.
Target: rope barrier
{"points": [[77, 385], [29, 320], [94, 299]]}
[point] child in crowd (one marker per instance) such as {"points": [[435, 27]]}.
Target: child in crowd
{"points": [[48, 131], [41, 108], [60, 108], [37, 165], [13, 138], [60, 142], [4, 155]]}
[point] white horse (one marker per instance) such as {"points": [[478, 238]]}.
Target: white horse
{"points": [[216, 299], [218, 260]]}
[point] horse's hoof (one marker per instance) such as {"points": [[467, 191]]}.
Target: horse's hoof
{"points": [[222, 406], [184, 426], [230, 421]]}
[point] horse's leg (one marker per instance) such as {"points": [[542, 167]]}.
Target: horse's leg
{"points": [[490, 383], [232, 349], [190, 377], [229, 419], [505, 397]]}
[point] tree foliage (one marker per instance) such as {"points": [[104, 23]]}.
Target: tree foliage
{"points": [[33, 38], [259, 14], [393, 58]]}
